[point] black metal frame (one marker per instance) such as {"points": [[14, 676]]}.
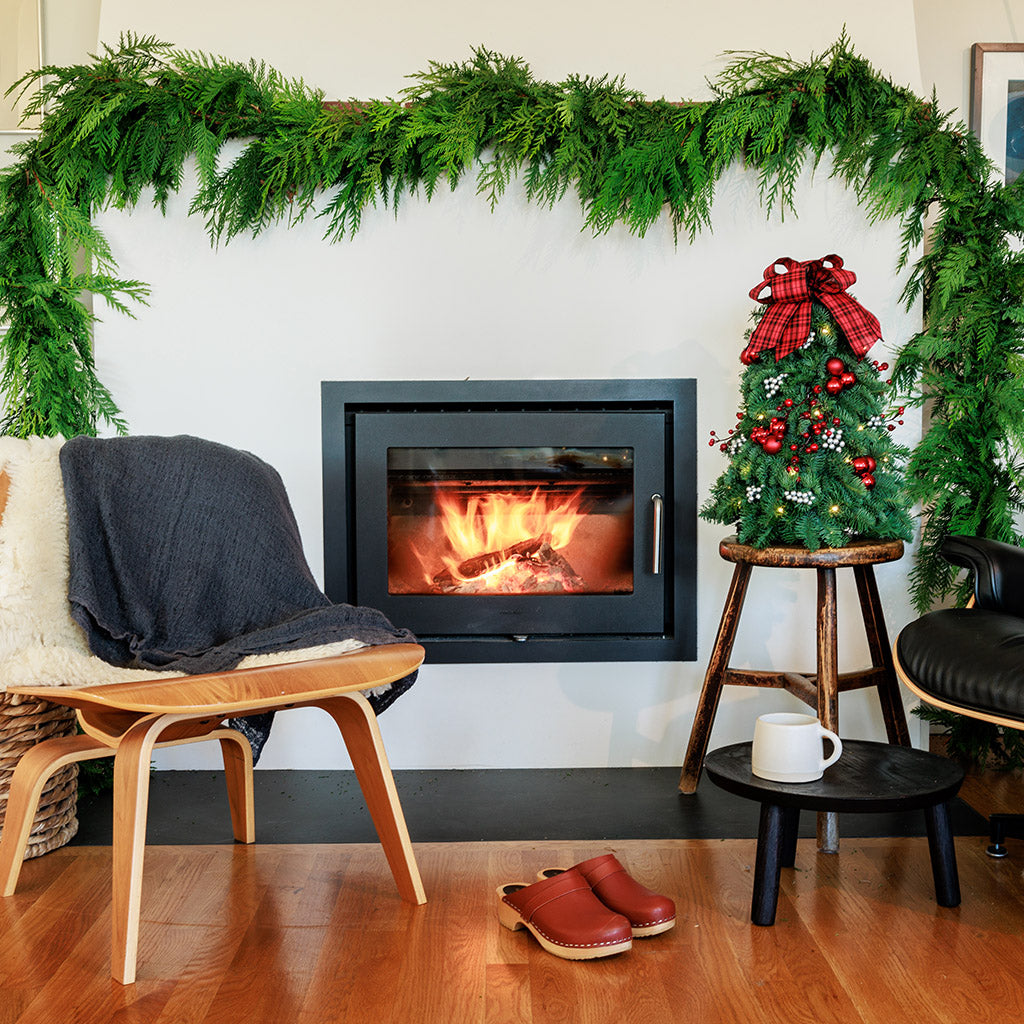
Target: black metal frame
{"points": [[509, 629]]}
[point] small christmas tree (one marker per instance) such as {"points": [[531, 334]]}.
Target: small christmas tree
{"points": [[811, 456]]}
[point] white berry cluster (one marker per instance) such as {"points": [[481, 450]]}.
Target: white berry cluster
{"points": [[810, 340], [753, 493], [799, 497], [772, 385], [734, 444], [876, 421], [831, 438]]}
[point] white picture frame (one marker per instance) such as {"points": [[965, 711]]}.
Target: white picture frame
{"points": [[21, 50], [997, 105]]}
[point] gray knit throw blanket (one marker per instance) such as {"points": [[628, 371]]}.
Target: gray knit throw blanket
{"points": [[185, 555]]}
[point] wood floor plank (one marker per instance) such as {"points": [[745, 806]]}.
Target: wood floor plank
{"points": [[318, 935]]}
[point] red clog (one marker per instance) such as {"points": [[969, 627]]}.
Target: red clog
{"points": [[564, 916], [648, 912]]}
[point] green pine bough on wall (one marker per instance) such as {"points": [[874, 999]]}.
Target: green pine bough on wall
{"points": [[124, 126]]}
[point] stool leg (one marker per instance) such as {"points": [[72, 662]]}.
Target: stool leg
{"points": [[358, 725], [893, 713], [943, 855], [828, 688], [771, 834], [707, 706], [790, 827]]}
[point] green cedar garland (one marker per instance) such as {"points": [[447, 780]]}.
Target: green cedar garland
{"points": [[127, 122]]}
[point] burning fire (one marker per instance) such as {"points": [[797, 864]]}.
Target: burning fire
{"points": [[507, 543]]}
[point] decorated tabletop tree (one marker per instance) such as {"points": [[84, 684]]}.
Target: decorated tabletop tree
{"points": [[811, 456]]}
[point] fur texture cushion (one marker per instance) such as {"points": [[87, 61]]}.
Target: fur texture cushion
{"points": [[40, 644]]}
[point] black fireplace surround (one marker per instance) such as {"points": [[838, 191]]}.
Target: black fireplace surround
{"points": [[597, 476]]}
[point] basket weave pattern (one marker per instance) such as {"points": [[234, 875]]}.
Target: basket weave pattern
{"points": [[25, 721]]}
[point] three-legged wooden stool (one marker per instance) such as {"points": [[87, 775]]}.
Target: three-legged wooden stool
{"points": [[820, 689], [128, 719]]}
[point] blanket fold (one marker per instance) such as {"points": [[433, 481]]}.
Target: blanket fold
{"points": [[185, 555]]}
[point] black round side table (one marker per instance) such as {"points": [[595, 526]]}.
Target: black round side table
{"points": [[869, 777]]}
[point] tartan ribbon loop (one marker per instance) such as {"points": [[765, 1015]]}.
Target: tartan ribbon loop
{"points": [[786, 322]]}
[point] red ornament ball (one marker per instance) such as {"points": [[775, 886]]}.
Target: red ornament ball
{"points": [[848, 379], [868, 480], [871, 463], [835, 366], [772, 446], [834, 385], [860, 464]]}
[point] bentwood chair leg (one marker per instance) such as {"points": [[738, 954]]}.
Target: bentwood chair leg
{"points": [[131, 805], [238, 775], [34, 769], [358, 725]]}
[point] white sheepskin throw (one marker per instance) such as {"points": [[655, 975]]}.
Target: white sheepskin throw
{"points": [[40, 644]]}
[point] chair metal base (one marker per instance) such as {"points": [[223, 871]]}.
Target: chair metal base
{"points": [[1003, 826]]}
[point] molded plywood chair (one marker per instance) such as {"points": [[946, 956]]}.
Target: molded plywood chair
{"points": [[971, 660], [126, 713]]}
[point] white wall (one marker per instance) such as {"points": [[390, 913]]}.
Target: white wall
{"points": [[234, 343]]}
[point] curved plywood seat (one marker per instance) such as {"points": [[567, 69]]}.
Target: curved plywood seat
{"points": [[129, 719]]}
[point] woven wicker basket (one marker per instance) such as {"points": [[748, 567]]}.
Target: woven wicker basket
{"points": [[25, 721]]}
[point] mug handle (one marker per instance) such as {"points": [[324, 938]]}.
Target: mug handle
{"points": [[837, 746]]}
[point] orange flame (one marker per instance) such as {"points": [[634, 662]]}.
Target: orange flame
{"points": [[493, 523]]}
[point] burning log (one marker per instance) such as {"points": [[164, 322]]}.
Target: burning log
{"points": [[479, 564], [543, 569]]}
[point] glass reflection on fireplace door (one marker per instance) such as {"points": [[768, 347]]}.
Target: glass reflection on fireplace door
{"points": [[529, 526]]}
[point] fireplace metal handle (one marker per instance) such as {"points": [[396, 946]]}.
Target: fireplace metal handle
{"points": [[659, 518]]}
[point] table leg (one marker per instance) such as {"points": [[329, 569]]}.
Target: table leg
{"points": [[828, 688], [790, 826], [771, 853], [943, 855], [893, 713], [707, 706]]}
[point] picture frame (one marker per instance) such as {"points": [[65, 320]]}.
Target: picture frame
{"points": [[21, 51], [997, 105]]}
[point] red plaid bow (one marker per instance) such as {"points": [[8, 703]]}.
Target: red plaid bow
{"points": [[786, 322]]}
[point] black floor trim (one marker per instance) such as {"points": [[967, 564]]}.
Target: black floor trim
{"points": [[190, 808]]}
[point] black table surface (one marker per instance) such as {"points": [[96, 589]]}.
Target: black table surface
{"points": [[867, 777]]}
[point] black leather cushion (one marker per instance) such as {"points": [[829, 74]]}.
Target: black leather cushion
{"points": [[968, 657]]}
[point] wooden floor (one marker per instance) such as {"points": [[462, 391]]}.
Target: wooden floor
{"points": [[315, 934]]}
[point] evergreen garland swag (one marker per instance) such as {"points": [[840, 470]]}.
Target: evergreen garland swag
{"points": [[122, 127]]}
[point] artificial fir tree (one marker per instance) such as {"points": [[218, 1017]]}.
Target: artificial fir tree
{"points": [[811, 455]]}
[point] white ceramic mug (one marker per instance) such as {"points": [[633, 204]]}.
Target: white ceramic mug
{"points": [[787, 748]]}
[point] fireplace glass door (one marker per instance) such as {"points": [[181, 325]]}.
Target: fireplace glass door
{"points": [[511, 520], [521, 527]]}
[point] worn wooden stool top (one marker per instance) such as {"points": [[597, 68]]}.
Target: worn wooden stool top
{"points": [[795, 556]]}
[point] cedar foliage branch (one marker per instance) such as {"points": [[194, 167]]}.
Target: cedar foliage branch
{"points": [[119, 130]]}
